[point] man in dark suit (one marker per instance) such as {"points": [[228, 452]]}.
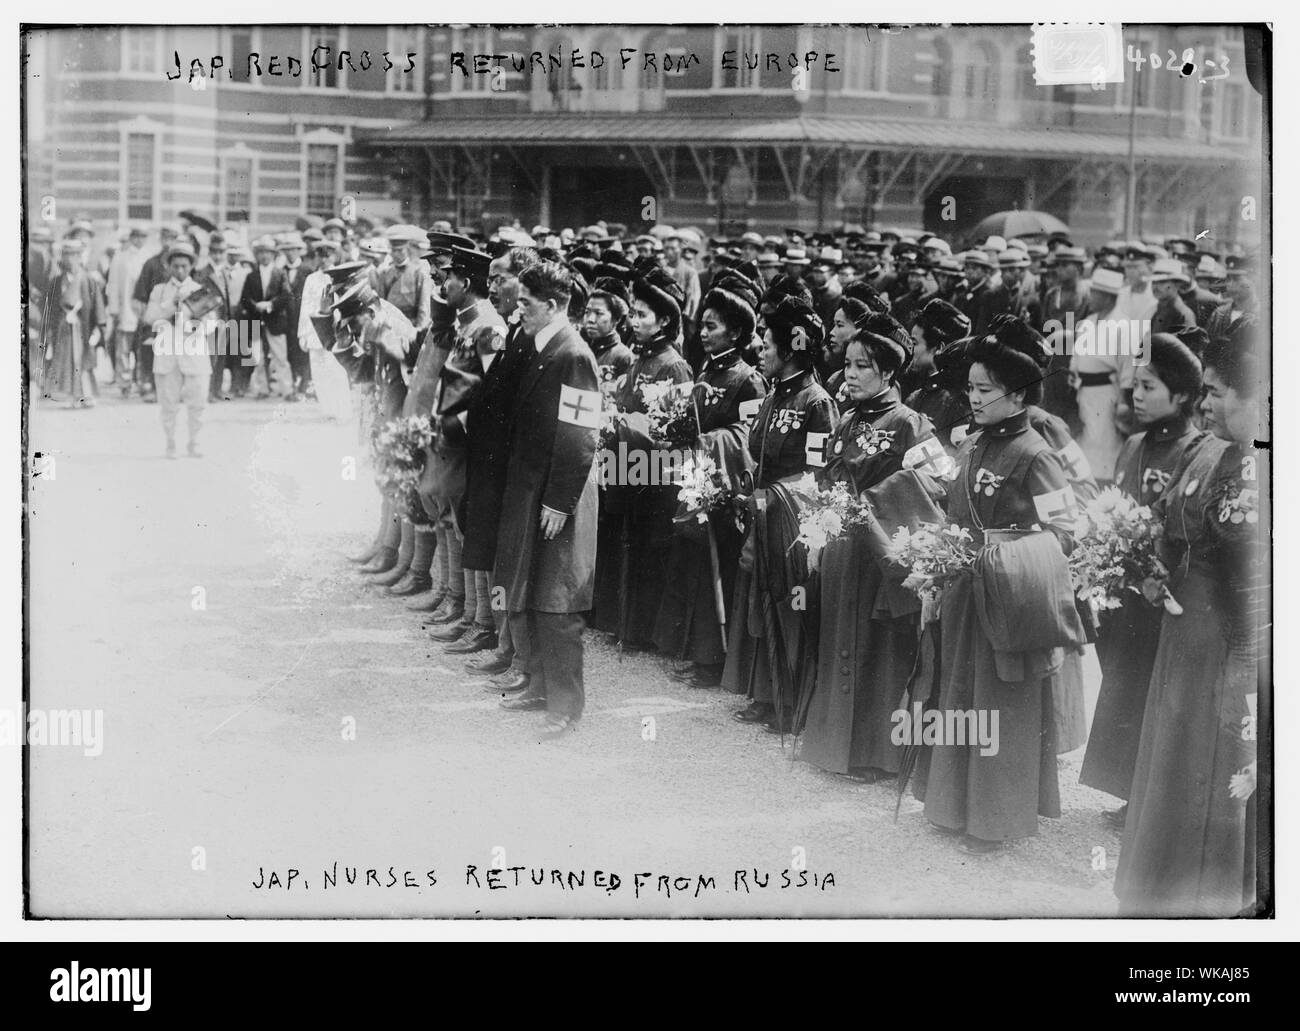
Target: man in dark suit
{"points": [[222, 277], [546, 552], [976, 302], [264, 301], [488, 427], [1172, 314], [1008, 298], [296, 272]]}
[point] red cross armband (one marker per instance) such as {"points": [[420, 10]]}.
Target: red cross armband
{"points": [[579, 407]]}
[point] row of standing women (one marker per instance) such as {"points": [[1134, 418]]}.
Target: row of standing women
{"points": [[829, 655]]}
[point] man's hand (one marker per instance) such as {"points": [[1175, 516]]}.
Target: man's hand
{"points": [[552, 523]]}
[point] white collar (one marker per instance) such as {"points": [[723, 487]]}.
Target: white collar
{"points": [[549, 330]]}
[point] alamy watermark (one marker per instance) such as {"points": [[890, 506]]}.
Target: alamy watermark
{"points": [[974, 727], [210, 336], [635, 467], [69, 728], [1100, 338]]}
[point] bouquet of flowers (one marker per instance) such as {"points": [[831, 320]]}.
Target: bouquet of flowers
{"points": [[1241, 785], [399, 454], [609, 415], [1116, 553], [829, 514], [671, 413], [932, 554], [704, 489]]}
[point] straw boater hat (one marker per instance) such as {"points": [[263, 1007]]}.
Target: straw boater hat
{"points": [[1106, 281], [1169, 270]]}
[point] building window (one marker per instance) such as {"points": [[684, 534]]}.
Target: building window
{"points": [[1142, 78], [141, 169], [982, 73], [328, 76], [941, 77], [405, 41], [478, 41], [241, 46], [650, 76], [562, 82], [608, 76], [141, 51], [1232, 111], [237, 188], [864, 63], [742, 43], [1027, 85], [322, 179]]}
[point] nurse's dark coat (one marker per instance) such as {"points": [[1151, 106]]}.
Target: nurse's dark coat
{"points": [[790, 436], [726, 397], [643, 515], [1126, 645], [868, 637], [1007, 477], [1187, 841]]}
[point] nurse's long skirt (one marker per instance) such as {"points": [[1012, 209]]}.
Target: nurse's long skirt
{"points": [[996, 797]]}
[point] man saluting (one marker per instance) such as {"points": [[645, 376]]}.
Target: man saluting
{"points": [[546, 556]]}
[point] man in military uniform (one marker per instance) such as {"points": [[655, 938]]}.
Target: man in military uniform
{"points": [[546, 556], [1200, 301], [1242, 300], [480, 334]]}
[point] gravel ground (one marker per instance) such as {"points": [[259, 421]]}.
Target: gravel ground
{"points": [[266, 712]]}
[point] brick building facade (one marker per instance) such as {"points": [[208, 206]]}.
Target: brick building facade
{"points": [[708, 133]]}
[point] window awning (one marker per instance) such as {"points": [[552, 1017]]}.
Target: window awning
{"points": [[855, 133]]}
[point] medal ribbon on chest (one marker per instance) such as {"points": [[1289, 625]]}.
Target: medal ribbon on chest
{"points": [[1239, 505], [987, 483], [788, 420], [1155, 480], [873, 441], [711, 395]]}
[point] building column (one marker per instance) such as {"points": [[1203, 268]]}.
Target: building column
{"points": [[544, 194]]}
